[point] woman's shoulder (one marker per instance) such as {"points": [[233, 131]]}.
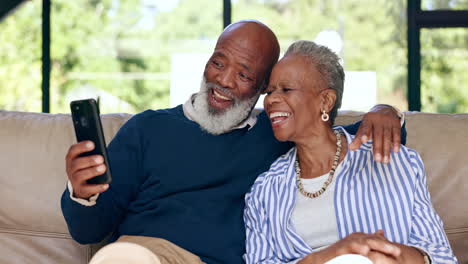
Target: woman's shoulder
{"points": [[277, 171], [405, 154], [410, 156], [283, 162], [406, 159]]}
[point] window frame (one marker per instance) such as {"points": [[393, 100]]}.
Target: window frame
{"points": [[417, 20]]}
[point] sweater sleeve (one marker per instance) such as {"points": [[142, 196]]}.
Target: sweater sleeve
{"points": [[427, 232], [91, 224]]}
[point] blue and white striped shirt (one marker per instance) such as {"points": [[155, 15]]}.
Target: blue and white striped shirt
{"points": [[368, 196]]}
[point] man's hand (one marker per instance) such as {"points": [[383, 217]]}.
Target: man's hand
{"points": [[80, 169], [382, 125]]}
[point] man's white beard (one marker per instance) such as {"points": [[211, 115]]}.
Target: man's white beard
{"points": [[217, 122]]}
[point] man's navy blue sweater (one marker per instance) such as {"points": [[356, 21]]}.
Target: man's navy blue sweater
{"points": [[174, 181]]}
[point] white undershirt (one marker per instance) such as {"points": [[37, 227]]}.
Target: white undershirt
{"points": [[314, 218]]}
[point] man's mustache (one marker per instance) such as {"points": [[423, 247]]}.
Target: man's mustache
{"points": [[225, 91]]}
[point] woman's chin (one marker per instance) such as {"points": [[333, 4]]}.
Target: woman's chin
{"points": [[281, 136]]}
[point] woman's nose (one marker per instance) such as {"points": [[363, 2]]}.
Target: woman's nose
{"points": [[271, 99]]}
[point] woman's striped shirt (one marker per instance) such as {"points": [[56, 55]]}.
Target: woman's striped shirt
{"points": [[368, 196]]}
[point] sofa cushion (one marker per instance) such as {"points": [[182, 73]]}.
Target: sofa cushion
{"points": [[32, 178], [21, 246]]}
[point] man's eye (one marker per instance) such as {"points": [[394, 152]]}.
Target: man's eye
{"points": [[286, 90], [244, 76], [216, 63]]}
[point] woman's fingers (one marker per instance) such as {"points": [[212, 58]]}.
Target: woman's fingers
{"points": [[381, 244], [380, 258], [363, 244]]}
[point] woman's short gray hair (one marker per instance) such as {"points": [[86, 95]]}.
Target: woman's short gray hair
{"points": [[327, 63]]}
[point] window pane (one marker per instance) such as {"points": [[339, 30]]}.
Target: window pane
{"points": [[20, 59], [444, 61], [370, 36], [444, 4], [132, 54]]}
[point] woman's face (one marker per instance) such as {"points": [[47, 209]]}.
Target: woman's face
{"points": [[294, 98]]}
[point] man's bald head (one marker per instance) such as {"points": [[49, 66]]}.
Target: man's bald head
{"points": [[255, 30], [258, 38], [235, 75]]}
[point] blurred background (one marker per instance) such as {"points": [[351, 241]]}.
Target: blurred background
{"points": [[150, 54]]}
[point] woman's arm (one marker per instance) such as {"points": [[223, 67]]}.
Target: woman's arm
{"points": [[258, 235], [427, 232], [262, 244]]}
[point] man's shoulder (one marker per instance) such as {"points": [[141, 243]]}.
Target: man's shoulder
{"points": [[160, 113], [148, 117], [260, 114], [151, 120], [262, 125]]}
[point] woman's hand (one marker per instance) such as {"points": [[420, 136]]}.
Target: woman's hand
{"points": [[374, 246], [379, 258], [382, 125], [409, 255]]}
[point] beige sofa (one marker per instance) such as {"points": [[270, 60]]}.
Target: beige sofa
{"points": [[32, 178]]}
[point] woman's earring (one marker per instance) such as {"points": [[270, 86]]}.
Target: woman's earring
{"points": [[325, 116]]}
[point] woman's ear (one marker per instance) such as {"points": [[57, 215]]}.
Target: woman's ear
{"points": [[328, 98]]}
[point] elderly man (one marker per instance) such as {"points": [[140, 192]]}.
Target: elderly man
{"points": [[180, 174]]}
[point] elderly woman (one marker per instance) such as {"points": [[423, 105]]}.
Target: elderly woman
{"points": [[319, 200]]}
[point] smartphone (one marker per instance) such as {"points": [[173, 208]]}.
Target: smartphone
{"points": [[87, 124]]}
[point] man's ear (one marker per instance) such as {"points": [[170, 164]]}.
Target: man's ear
{"points": [[328, 99]]}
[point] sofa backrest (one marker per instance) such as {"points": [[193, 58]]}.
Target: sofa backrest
{"points": [[442, 142], [32, 179]]}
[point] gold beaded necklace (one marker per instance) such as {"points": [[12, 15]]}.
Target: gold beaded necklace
{"points": [[300, 187]]}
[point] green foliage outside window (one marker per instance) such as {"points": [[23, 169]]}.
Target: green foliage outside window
{"points": [[444, 54], [123, 48], [20, 59]]}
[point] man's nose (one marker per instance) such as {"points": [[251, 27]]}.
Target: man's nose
{"points": [[226, 78]]}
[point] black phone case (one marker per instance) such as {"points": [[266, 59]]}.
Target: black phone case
{"points": [[87, 123]]}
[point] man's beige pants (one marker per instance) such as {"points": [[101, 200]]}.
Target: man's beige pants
{"points": [[143, 250], [150, 250]]}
